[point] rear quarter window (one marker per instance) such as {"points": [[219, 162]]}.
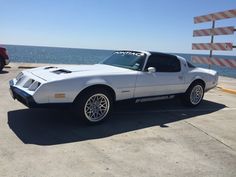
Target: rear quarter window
{"points": [[190, 65], [164, 63]]}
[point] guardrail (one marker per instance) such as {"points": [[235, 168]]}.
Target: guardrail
{"points": [[227, 46]]}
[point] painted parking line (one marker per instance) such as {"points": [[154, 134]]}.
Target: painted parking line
{"points": [[227, 90]]}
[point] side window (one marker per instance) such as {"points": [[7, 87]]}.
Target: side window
{"points": [[164, 63]]}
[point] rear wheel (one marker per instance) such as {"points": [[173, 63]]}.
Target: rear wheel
{"points": [[194, 94], [1, 64], [95, 106]]}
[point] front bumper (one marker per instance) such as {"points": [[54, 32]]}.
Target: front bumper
{"points": [[29, 101], [22, 97]]}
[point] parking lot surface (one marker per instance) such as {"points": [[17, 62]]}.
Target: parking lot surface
{"points": [[147, 139]]}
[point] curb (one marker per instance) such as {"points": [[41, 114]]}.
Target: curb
{"points": [[227, 90], [26, 67], [7, 67]]}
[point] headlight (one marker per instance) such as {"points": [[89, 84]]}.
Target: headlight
{"points": [[28, 83], [34, 86], [19, 76]]}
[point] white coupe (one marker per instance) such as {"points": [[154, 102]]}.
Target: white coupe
{"points": [[92, 89]]}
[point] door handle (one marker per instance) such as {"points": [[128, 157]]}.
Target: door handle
{"points": [[181, 77]]}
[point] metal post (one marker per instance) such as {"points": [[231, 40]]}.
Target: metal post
{"points": [[212, 41]]}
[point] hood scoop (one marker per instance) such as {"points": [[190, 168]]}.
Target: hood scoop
{"points": [[50, 67], [61, 71]]}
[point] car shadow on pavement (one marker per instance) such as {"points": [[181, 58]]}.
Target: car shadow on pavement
{"points": [[52, 127]]}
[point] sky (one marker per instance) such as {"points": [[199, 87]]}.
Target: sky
{"points": [[158, 25]]}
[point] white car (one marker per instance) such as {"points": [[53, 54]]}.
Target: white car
{"points": [[92, 89]]}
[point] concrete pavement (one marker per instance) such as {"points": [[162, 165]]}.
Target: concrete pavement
{"points": [[150, 139]]}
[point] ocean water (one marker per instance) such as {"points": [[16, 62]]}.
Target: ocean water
{"points": [[55, 55]]}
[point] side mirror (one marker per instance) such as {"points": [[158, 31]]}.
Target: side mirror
{"points": [[151, 69]]}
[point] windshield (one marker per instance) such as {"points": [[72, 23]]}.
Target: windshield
{"points": [[126, 59]]}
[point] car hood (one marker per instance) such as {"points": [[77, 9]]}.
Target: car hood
{"points": [[49, 73]]}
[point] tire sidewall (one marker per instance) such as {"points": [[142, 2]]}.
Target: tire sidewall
{"points": [[1, 64], [81, 101], [187, 95]]}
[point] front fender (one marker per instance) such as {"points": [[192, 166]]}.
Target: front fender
{"points": [[96, 81]]}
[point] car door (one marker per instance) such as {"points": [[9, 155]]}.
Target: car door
{"points": [[168, 78]]}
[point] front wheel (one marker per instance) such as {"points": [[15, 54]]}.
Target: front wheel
{"points": [[194, 95], [95, 105]]}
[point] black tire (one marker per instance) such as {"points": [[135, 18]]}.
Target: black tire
{"points": [[195, 90], [90, 114], [1, 64]]}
